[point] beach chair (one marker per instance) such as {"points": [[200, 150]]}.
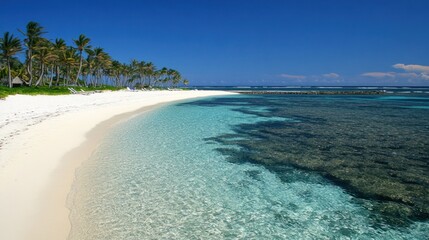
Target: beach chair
{"points": [[85, 92], [131, 90], [72, 91]]}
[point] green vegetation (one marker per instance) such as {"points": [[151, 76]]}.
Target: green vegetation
{"points": [[4, 91], [9, 46], [46, 90], [55, 64]]}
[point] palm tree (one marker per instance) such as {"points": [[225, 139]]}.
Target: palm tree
{"points": [[69, 60], [9, 47], [150, 70], [162, 76], [82, 43], [101, 64], [115, 73], [59, 48], [90, 63], [44, 54], [175, 78], [52, 62], [45, 61], [33, 33], [136, 72]]}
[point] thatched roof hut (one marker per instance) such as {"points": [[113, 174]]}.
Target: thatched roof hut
{"points": [[17, 81]]}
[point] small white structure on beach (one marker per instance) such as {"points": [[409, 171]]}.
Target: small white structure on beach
{"points": [[17, 81]]}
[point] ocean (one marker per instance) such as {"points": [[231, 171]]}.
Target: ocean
{"points": [[262, 167]]}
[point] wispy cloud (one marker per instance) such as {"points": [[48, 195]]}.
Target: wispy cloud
{"points": [[407, 75], [412, 67], [410, 76], [424, 76], [413, 72], [327, 78], [289, 76], [331, 75], [379, 74]]}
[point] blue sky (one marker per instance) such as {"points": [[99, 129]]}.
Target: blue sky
{"points": [[235, 42]]}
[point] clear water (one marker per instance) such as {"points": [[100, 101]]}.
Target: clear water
{"points": [[160, 176], [405, 90]]}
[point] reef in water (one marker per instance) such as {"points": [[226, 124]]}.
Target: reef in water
{"points": [[374, 147]]}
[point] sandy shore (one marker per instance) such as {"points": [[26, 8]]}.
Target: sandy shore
{"points": [[43, 139]]}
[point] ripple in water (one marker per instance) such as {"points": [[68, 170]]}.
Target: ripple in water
{"points": [[157, 177]]}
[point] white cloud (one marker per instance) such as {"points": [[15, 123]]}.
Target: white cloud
{"points": [[424, 76], [407, 75], [398, 76], [412, 67], [289, 76], [331, 75], [379, 74]]}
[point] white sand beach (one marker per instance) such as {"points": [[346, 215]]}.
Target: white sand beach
{"points": [[43, 139]]}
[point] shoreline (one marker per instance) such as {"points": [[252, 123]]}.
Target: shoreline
{"points": [[38, 166]]}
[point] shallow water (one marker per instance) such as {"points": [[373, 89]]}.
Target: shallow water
{"points": [[182, 172]]}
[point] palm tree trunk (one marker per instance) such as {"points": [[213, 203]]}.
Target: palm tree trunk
{"points": [[52, 76], [42, 71], [97, 78], [85, 79], [80, 68], [64, 79], [9, 73], [30, 67], [68, 76], [58, 75], [89, 75]]}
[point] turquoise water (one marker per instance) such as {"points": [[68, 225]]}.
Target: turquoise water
{"points": [[161, 176]]}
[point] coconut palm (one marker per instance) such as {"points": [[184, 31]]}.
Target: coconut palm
{"points": [[102, 63], [89, 67], [136, 72], [45, 61], [69, 60], [150, 70], [59, 47], [52, 62], [44, 53], [3, 68], [82, 44], [9, 46], [126, 72], [33, 33], [161, 76], [175, 77], [115, 73]]}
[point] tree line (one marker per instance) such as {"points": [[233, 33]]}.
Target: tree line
{"points": [[54, 63]]}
